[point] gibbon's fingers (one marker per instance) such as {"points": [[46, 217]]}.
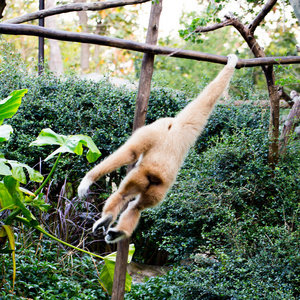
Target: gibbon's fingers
{"points": [[104, 222], [232, 60], [84, 185]]}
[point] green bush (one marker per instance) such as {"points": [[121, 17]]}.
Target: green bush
{"points": [[44, 271], [228, 203]]}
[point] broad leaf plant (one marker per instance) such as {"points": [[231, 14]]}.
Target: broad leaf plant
{"points": [[18, 200]]}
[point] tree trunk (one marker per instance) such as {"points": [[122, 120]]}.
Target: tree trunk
{"points": [[247, 33], [289, 125], [139, 120], [296, 7], [41, 55], [85, 48], [274, 117], [55, 60]]}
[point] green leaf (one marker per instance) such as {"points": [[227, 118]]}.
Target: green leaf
{"points": [[5, 131], [4, 169], [38, 202], [6, 200], [6, 251], [17, 171], [107, 271], [12, 186], [9, 232], [71, 144], [10, 105]]}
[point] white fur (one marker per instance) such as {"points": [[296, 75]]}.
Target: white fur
{"points": [[85, 183]]}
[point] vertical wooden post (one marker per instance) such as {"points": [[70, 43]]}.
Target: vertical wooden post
{"points": [[139, 120], [41, 56]]}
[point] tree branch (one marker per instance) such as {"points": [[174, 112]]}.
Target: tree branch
{"points": [[290, 123], [2, 6], [72, 7], [213, 27], [283, 95], [32, 30], [265, 10]]}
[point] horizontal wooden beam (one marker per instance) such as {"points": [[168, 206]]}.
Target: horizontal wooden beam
{"points": [[43, 13], [31, 30]]}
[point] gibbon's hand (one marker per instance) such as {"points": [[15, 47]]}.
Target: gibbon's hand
{"points": [[232, 60], [84, 186], [104, 222]]}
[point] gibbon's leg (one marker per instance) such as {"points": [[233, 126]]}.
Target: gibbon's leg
{"points": [[132, 185], [130, 217], [129, 153]]}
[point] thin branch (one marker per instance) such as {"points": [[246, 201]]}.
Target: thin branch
{"points": [[213, 27], [72, 7], [265, 10], [32, 30], [283, 95], [2, 6]]}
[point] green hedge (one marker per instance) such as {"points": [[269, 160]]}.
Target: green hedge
{"points": [[228, 203], [46, 272]]}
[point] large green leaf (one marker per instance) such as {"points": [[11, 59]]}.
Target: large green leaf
{"points": [[17, 171], [6, 200], [5, 131], [10, 105], [6, 230], [17, 198], [108, 269], [72, 144]]}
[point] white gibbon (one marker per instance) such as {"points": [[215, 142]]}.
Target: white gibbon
{"points": [[158, 151]]}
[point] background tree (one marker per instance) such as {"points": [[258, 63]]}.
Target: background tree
{"points": [[55, 59], [247, 32], [85, 48]]}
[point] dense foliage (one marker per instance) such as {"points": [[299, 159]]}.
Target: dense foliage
{"points": [[238, 219], [46, 272], [226, 202]]}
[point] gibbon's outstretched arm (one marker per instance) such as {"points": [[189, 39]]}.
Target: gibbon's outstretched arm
{"points": [[128, 153], [158, 149], [196, 114]]}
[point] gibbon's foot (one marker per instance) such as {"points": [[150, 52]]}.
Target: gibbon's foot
{"points": [[104, 222], [232, 60], [114, 236]]}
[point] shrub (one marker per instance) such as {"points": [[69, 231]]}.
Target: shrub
{"points": [[227, 203], [44, 271]]}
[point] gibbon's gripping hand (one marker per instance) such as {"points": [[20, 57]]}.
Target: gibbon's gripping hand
{"points": [[84, 186], [232, 60], [104, 222], [114, 236]]}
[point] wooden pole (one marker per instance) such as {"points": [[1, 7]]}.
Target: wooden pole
{"points": [[147, 68], [139, 120], [41, 41], [61, 35]]}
